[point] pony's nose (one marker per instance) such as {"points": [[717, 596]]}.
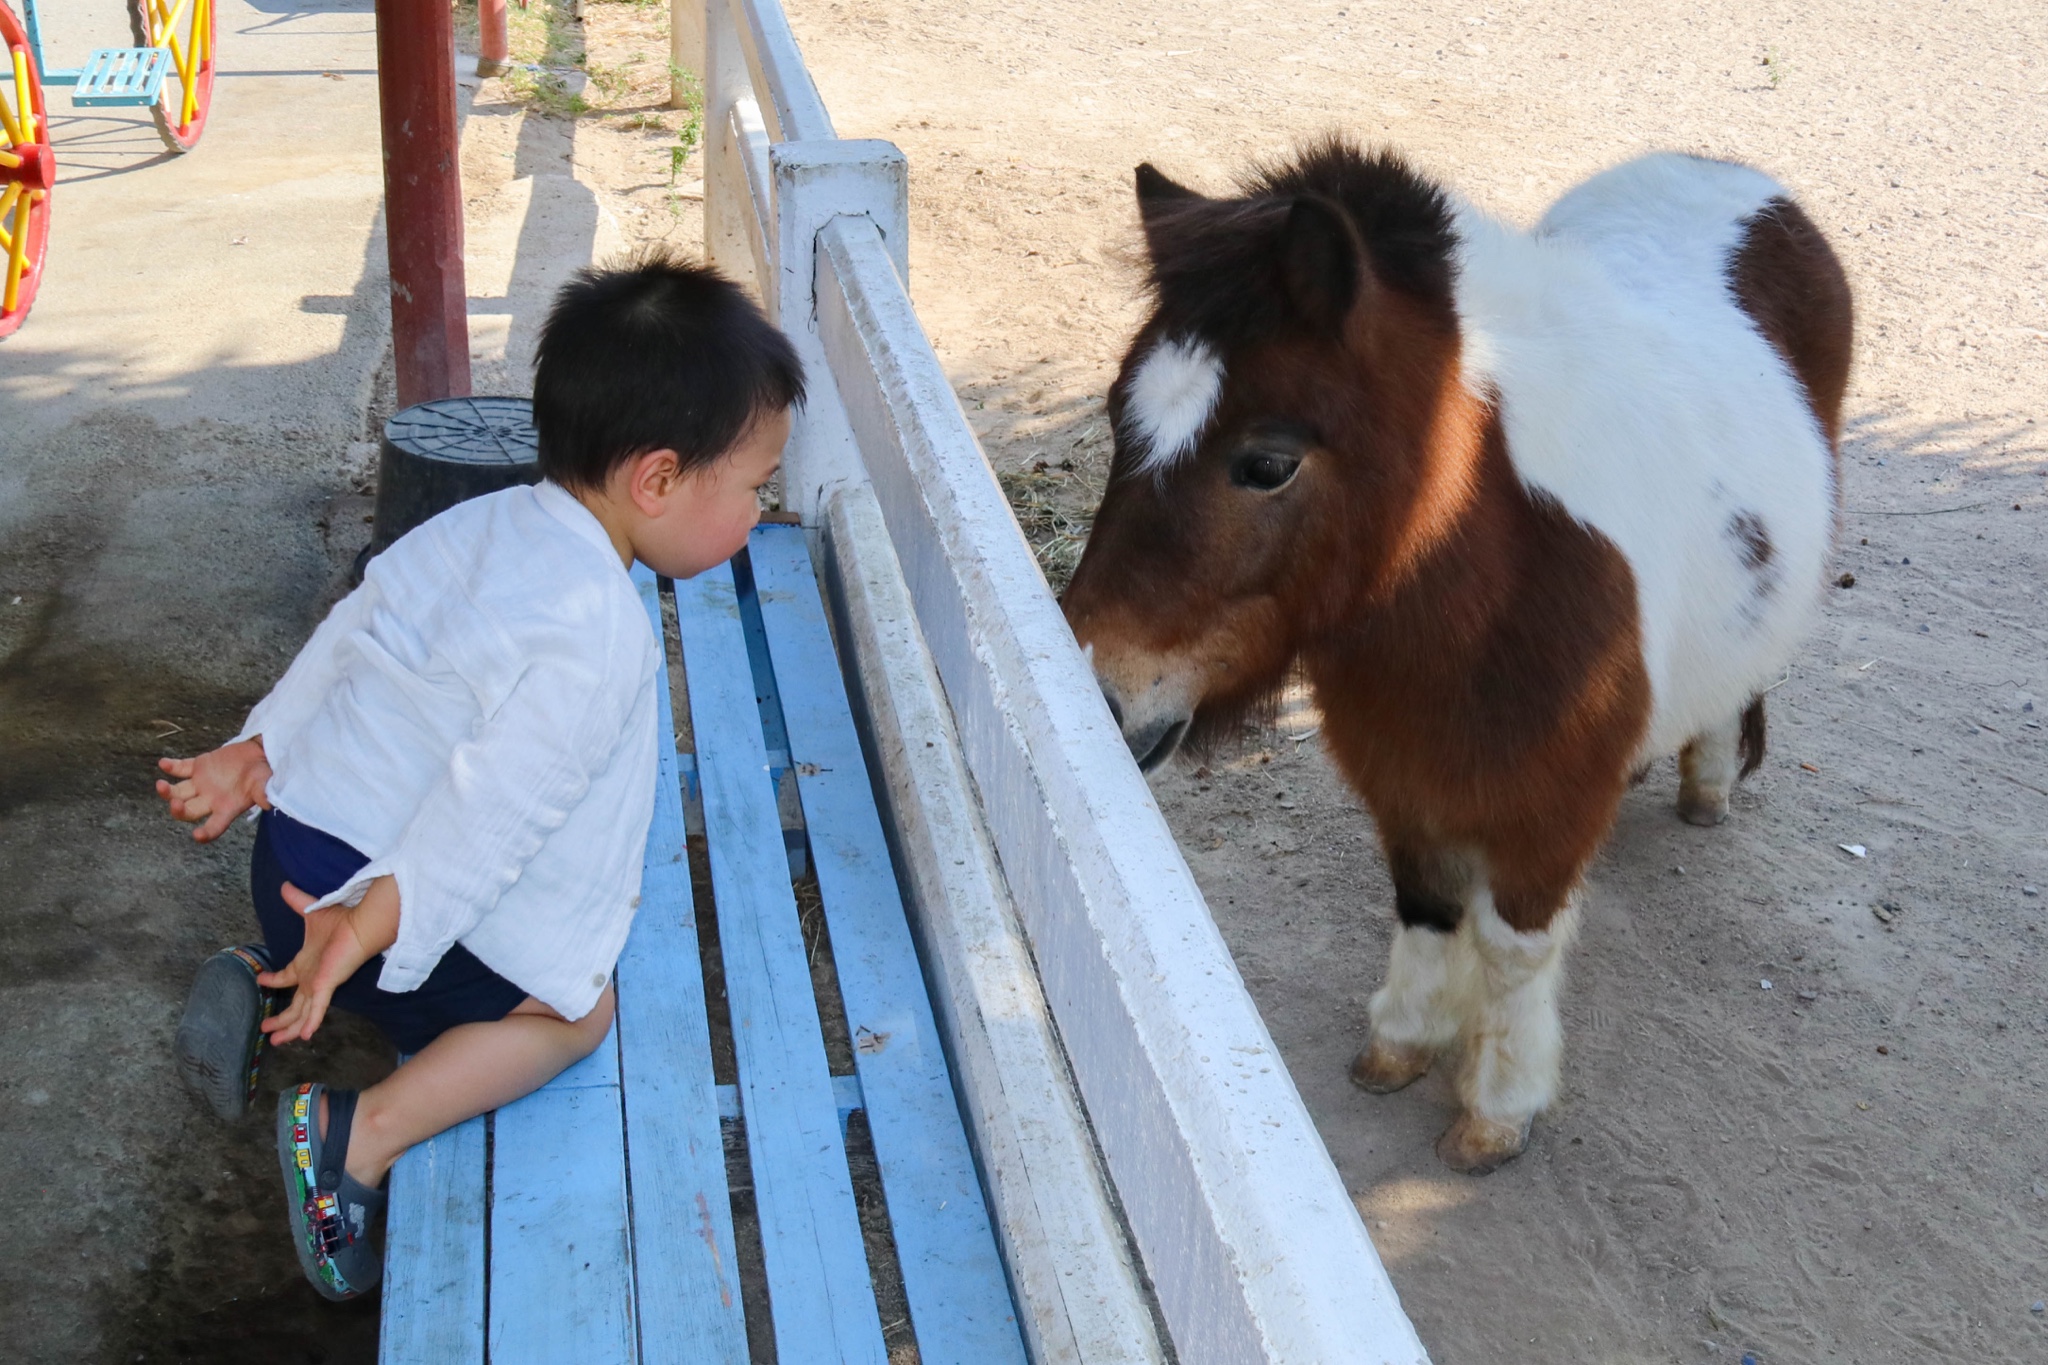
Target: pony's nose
{"points": [[1116, 706]]}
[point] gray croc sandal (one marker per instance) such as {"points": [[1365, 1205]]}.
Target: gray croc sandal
{"points": [[337, 1222], [220, 1038]]}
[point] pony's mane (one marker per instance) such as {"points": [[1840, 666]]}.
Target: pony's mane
{"points": [[1214, 266]]}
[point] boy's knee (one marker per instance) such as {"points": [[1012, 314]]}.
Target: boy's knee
{"points": [[592, 1027]]}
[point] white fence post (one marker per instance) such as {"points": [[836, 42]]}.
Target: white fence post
{"points": [[813, 184], [1247, 1232]]}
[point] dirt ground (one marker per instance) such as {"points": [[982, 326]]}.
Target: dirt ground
{"points": [[1846, 1165], [1731, 1169]]}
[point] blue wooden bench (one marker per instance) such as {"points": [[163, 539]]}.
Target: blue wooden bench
{"points": [[593, 1221]]}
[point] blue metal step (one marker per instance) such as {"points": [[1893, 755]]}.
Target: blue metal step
{"points": [[122, 76]]}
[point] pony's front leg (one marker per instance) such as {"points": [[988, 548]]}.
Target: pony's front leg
{"points": [[1420, 1010], [1415, 1014], [1513, 1041]]}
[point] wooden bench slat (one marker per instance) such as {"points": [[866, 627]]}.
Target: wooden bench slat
{"points": [[959, 1297], [561, 1273], [685, 1269], [433, 1310], [816, 1264]]}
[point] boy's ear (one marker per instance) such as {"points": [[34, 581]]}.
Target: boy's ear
{"points": [[651, 477]]}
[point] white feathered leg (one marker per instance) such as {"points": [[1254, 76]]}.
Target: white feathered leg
{"points": [[1513, 1040], [1706, 773], [1415, 1014]]}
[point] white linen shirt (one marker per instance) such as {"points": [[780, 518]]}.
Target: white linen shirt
{"points": [[478, 719]]}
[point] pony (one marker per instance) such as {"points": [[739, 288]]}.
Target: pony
{"points": [[1528, 510]]}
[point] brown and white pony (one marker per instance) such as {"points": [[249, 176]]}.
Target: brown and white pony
{"points": [[1528, 509]]}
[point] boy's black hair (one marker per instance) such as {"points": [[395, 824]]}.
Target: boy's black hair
{"points": [[656, 353]]}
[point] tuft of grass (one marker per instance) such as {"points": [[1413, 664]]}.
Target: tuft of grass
{"points": [[687, 94], [641, 121], [1055, 507], [1774, 67], [547, 46], [545, 92], [610, 82]]}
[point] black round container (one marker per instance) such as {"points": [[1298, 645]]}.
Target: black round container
{"points": [[448, 451]]}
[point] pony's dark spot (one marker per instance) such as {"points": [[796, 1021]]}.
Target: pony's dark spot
{"points": [[1423, 909], [1753, 539]]}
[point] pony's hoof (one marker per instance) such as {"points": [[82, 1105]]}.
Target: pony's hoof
{"points": [[1477, 1146], [1702, 810], [1385, 1067]]}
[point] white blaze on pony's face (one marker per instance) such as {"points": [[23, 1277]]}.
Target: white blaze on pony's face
{"points": [[1170, 401]]}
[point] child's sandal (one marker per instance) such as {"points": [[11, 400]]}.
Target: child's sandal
{"points": [[220, 1037], [337, 1222]]}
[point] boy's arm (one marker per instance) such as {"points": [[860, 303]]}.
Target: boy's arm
{"points": [[313, 673], [506, 788]]}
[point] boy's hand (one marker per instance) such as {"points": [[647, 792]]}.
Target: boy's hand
{"points": [[214, 788], [339, 940]]}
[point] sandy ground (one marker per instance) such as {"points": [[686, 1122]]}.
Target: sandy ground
{"points": [[1730, 1168]]}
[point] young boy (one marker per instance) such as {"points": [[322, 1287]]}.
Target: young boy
{"points": [[456, 775]]}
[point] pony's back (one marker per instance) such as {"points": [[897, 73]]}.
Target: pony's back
{"points": [[1637, 391]]}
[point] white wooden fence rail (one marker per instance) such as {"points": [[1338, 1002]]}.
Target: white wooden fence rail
{"points": [[1252, 1245]]}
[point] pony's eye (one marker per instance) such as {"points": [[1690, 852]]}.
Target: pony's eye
{"points": [[1264, 470]]}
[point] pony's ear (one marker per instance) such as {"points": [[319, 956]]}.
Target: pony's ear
{"points": [[1319, 263], [1156, 191]]}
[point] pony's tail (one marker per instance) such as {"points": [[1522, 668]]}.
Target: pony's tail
{"points": [[1750, 746]]}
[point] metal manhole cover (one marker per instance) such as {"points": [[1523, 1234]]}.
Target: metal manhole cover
{"points": [[479, 431]]}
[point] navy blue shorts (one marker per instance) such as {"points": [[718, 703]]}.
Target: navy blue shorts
{"points": [[460, 989]]}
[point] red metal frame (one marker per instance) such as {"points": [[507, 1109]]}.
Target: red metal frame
{"points": [[30, 179]]}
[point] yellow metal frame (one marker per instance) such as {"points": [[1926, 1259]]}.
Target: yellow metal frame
{"points": [[186, 57], [17, 243], [17, 201], [15, 126]]}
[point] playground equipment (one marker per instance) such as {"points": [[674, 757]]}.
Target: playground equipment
{"points": [[169, 70]]}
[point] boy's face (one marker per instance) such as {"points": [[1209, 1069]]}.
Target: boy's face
{"points": [[691, 522]]}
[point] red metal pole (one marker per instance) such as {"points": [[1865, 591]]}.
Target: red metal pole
{"points": [[423, 199], [493, 37]]}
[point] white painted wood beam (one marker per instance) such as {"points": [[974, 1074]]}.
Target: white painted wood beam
{"points": [[1251, 1240]]}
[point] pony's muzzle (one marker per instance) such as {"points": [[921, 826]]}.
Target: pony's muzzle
{"points": [[1156, 743], [1152, 731]]}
